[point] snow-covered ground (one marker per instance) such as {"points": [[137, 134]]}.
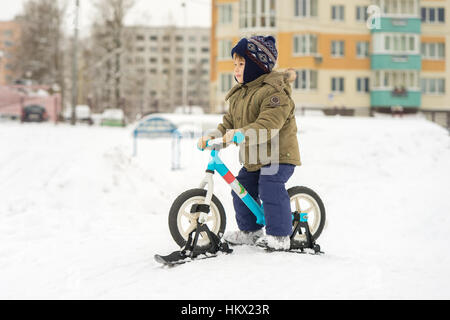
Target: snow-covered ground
{"points": [[80, 218]]}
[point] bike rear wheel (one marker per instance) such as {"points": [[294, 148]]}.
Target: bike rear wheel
{"points": [[182, 221], [305, 200]]}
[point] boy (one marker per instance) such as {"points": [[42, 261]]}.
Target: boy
{"points": [[261, 101]]}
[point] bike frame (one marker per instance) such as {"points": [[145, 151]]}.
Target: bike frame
{"points": [[216, 164]]}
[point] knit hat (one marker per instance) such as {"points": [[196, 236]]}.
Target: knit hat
{"points": [[260, 54]]}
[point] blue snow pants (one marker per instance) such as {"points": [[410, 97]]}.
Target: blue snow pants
{"points": [[271, 190]]}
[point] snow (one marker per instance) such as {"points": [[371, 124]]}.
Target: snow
{"points": [[80, 218]]}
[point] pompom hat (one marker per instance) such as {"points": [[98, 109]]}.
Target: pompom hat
{"points": [[260, 54]]}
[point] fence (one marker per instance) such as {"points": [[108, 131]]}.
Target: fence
{"points": [[13, 99], [343, 111], [441, 117]]}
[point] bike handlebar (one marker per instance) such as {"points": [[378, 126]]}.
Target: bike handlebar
{"points": [[238, 138]]}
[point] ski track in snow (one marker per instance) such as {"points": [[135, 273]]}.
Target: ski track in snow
{"points": [[80, 218]]}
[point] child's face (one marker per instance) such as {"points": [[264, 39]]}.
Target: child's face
{"points": [[239, 65]]}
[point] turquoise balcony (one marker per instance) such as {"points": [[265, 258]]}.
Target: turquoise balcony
{"points": [[388, 98], [396, 62], [405, 25]]}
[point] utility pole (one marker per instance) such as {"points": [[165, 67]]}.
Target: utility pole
{"points": [[185, 58], [75, 64]]}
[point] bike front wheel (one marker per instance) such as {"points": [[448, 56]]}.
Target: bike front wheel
{"points": [[182, 221]]}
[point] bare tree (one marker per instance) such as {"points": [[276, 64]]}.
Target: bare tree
{"points": [[39, 56], [108, 47]]}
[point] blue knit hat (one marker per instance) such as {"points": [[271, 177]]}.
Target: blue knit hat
{"points": [[260, 54]]}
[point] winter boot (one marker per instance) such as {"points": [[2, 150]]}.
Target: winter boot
{"points": [[243, 237], [274, 243]]}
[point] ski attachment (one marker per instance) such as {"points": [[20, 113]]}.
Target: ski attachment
{"points": [[191, 252]]}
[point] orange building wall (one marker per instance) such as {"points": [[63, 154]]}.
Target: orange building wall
{"points": [[286, 59], [433, 65], [8, 52]]}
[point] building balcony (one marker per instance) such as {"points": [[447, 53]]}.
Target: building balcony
{"points": [[396, 62], [396, 97], [399, 24]]}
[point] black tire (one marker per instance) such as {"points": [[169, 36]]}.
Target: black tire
{"points": [[174, 215], [318, 226]]}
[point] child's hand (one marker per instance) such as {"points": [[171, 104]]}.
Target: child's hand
{"points": [[228, 137], [201, 144]]}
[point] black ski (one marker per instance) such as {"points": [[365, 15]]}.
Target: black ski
{"points": [[178, 257]]}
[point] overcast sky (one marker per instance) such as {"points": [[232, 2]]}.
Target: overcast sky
{"points": [[146, 12]]}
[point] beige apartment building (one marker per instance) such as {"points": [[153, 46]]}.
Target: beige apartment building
{"points": [[171, 65]]}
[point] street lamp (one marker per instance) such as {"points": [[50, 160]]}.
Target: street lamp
{"points": [[185, 72], [55, 90]]}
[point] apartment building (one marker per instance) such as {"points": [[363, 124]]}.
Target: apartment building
{"points": [[9, 40], [393, 55], [171, 66]]}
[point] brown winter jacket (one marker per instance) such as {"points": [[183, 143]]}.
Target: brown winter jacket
{"points": [[264, 103]]}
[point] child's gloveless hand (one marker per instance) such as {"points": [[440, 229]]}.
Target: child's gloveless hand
{"points": [[228, 137], [201, 144]]}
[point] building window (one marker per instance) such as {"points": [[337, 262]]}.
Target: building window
{"points": [[305, 44], [337, 84], [337, 48], [338, 13], [226, 81], [361, 14], [225, 13], [306, 80], [399, 7], [257, 14], [433, 15], [362, 49], [305, 8], [389, 79], [154, 38], [433, 86], [396, 43], [225, 47], [8, 33], [433, 51], [362, 85]]}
